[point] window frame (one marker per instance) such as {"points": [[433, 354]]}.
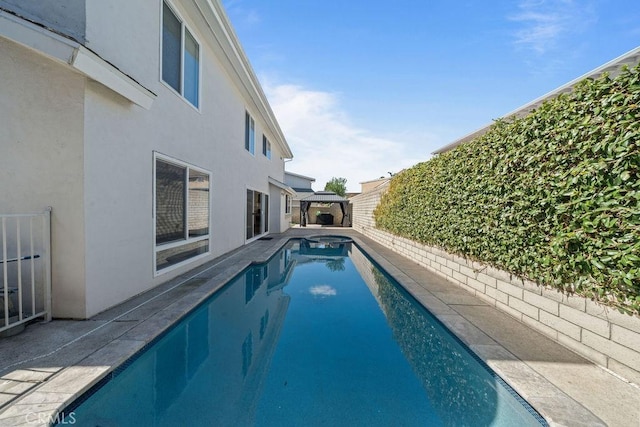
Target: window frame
{"points": [[249, 133], [266, 147], [287, 204], [184, 28], [187, 239]]}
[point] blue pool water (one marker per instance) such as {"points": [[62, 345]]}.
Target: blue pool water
{"points": [[317, 336]]}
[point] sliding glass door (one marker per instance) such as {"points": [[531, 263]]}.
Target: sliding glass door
{"points": [[257, 214]]}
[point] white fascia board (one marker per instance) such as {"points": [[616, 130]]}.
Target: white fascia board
{"points": [[69, 52], [36, 38], [96, 68], [308, 178], [215, 16]]}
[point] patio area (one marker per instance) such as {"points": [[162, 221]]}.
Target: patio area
{"points": [[50, 364]]}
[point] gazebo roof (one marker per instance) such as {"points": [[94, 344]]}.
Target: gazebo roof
{"points": [[324, 197]]}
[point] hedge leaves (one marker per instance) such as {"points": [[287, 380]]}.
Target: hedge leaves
{"points": [[553, 197]]}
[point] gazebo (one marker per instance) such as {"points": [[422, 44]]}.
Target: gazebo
{"points": [[322, 197]]}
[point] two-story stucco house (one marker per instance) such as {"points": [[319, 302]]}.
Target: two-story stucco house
{"points": [[143, 126]]}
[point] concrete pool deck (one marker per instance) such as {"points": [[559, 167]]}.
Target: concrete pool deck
{"points": [[47, 366]]}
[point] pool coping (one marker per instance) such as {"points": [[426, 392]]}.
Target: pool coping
{"points": [[121, 332]]}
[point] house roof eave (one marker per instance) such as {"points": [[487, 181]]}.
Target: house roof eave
{"points": [[297, 175], [281, 186], [214, 14]]}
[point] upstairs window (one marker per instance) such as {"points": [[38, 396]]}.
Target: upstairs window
{"points": [[266, 147], [180, 57], [249, 133]]}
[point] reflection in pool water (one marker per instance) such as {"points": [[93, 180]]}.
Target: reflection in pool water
{"points": [[317, 336]]}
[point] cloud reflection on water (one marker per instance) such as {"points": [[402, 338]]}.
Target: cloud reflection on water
{"points": [[323, 291]]}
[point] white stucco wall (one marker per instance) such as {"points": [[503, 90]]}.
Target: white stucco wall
{"points": [[125, 33], [78, 146], [278, 221], [41, 160], [120, 139]]}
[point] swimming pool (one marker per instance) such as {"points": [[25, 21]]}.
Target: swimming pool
{"points": [[316, 336]]}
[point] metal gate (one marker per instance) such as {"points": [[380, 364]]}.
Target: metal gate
{"points": [[25, 268]]}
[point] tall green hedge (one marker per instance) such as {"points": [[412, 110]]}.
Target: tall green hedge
{"points": [[553, 197]]}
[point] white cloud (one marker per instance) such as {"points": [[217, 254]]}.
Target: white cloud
{"points": [[323, 291], [326, 144], [544, 23]]}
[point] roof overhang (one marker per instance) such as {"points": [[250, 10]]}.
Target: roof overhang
{"points": [[612, 67], [73, 54], [281, 185], [297, 175], [239, 68]]}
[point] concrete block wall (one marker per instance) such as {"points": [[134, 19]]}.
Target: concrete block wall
{"points": [[601, 334], [362, 207]]}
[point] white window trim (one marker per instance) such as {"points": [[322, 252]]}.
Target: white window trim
{"points": [[252, 144], [183, 26], [287, 197], [158, 156], [268, 147]]}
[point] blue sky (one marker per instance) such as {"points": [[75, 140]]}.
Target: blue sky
{"points": [[361, 89]]}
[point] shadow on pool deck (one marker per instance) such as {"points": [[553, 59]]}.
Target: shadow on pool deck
{"points": [[50, 364]]}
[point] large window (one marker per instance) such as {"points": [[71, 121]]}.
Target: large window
{"points": [[249, 133], [257, 214], [180, 57], [181, 212]]}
